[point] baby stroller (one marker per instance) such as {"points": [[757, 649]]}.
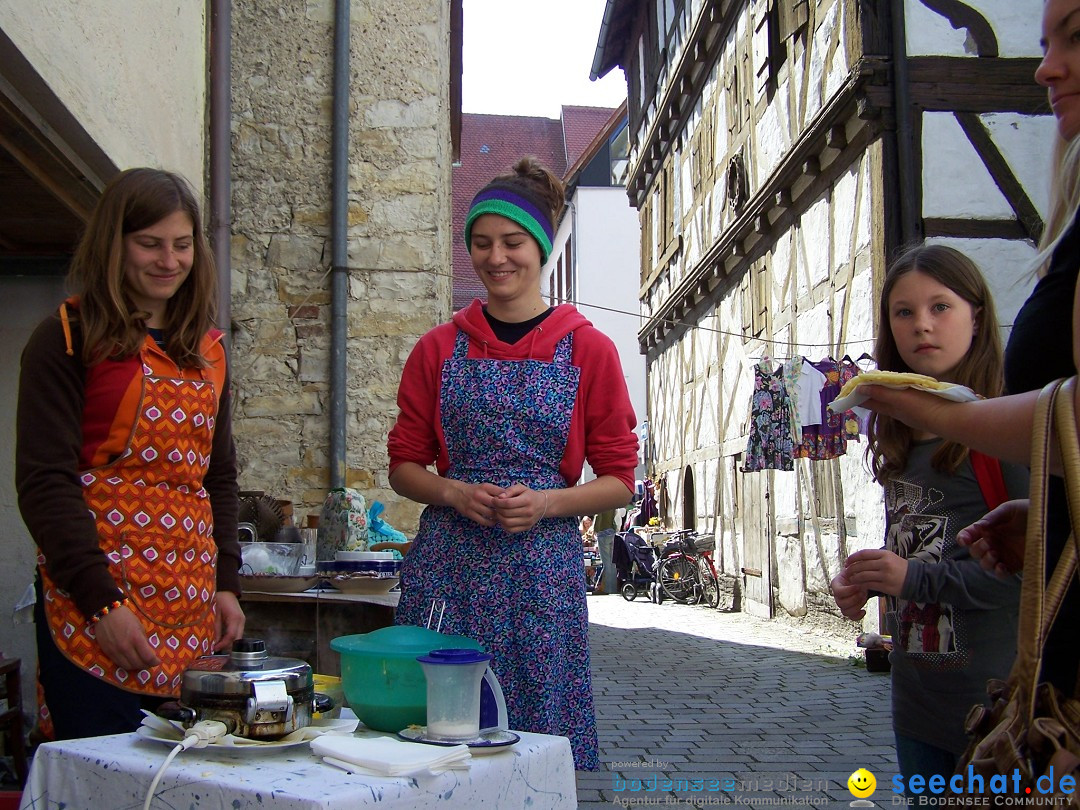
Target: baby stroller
{"points": [[634, 560]]}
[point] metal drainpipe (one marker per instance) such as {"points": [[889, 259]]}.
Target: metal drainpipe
{"points": [[905, 149], [339, 223], [221, 156]]}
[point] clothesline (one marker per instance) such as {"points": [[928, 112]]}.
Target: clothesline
{"points": [[688, 324], [767, 357], [691, 325]]}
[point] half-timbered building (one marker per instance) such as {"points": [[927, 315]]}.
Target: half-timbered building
{"points": [[781, 151]]}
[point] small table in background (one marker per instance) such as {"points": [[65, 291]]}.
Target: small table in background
{"points": [[302, 625]]}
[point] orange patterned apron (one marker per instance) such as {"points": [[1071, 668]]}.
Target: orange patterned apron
{"points": [[155, 525]]}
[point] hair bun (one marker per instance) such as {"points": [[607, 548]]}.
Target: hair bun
{"points": [[542, 181]]}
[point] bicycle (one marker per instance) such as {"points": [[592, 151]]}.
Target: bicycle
{"points": [[685, 569]]}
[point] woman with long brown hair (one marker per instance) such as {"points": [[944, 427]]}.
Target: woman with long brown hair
{"points": [[125, 465]]}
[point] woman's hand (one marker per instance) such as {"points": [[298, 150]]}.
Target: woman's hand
{"points": [[519, 508], [997, 540], [122, 638], [876, 570], [849, 598], [229, 620], [476, 502], [918, 410]]}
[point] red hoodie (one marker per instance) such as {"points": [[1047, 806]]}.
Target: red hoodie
{"points": [[602, 423]]}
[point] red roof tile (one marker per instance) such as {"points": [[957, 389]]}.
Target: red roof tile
{"points": [[490, 145], [580, 126]]}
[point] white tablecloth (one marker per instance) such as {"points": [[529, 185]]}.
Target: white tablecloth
{"points": [[115, 772]]}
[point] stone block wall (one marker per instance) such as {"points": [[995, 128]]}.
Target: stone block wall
{"points": [[398, 239]]}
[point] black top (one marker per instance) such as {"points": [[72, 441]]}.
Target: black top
{"points": [[1040, 351], [1040, 346], [513, 332]]}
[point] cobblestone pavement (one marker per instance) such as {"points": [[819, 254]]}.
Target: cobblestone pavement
{"points": [[763, 714]]}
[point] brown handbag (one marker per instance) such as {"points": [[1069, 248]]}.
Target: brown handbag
{"points": [[1030, 727]]}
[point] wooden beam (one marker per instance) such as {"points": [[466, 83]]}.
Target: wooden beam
{"points": [[1011, 188], [968, 84], [974, 228], [33, 168], [837, 137]]}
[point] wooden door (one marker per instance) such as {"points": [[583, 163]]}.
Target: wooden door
{"points": [[757, 535]]}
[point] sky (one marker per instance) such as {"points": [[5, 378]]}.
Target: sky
{"points": [[528, 58]]}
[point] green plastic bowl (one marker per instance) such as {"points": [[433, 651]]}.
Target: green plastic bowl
{"points": [[383, 682]]}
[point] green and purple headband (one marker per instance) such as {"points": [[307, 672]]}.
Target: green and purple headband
{"points": [[517, 204]]}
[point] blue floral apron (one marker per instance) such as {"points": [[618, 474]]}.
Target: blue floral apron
{"points": [[520, 595]]}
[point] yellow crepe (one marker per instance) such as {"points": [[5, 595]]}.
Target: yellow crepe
{"points": [[893, 378]]}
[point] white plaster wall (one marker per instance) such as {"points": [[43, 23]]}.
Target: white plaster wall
{"points": [[814, 240], [736, 377], [26, 302], [861, 317], [827, 22], [1016, 24], [132, 72], [1024, 141], [781, 272], [1007, 266], [955, 181], [608, 267], [772, 135]]}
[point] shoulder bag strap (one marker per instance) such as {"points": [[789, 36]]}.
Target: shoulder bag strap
{"points": [[1069, 449], [1031, 624], [1040, 598]]}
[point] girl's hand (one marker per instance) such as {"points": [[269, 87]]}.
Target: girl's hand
{"points": [[849, 598], [476, 502], [997, 540], [519, 508], [229, 620], [122, 638], [876, 570]]}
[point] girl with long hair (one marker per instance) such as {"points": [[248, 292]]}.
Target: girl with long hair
{"points": [[953, 624]]}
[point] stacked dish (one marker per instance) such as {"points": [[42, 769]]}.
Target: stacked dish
{"points": [[366, 572], [275, 568]]}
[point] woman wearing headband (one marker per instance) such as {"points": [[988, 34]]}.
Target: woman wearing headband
{"points": [[507, 402]]}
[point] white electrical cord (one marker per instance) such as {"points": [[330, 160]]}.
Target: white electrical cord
{"points": [[199, 735]]}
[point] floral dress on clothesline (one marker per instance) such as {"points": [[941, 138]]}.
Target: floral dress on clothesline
{"points": [[769, 445]]}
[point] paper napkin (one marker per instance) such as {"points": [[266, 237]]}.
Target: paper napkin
{"points": [[385, 756]]}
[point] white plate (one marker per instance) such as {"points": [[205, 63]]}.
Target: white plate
{"points": [[165, 731], [275, 584], [956, 393], [354, 556], [361, 584], [148, 733], [488, 742]]}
